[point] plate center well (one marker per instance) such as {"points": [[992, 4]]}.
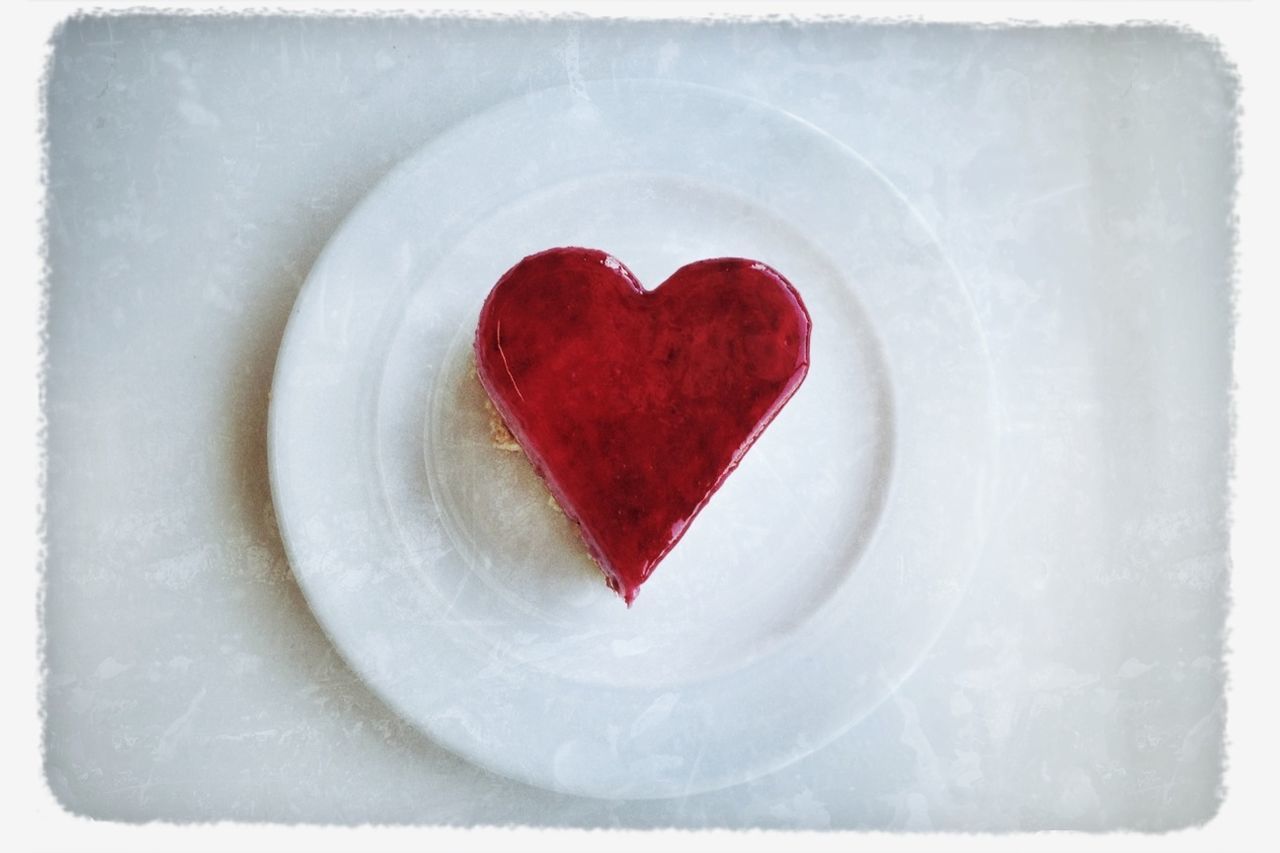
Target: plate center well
{"points": [[785, 529]]}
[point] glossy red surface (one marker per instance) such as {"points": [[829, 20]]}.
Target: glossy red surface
{"points": [[632, 404]]}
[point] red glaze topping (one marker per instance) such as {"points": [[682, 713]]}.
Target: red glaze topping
{"points": [[634, 405]]}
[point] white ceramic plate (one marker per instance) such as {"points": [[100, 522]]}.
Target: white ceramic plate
{"points": [[811, 584]]}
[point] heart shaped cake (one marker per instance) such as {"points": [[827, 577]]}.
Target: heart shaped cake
{"points": [[634, 405]]}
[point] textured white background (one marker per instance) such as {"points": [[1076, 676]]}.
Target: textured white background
{"points": [[1079, 179]]}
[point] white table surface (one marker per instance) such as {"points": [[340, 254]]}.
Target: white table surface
{"points": [[1080, 181]]}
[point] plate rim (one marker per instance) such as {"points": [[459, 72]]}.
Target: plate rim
{"points": [[371, 198]]}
